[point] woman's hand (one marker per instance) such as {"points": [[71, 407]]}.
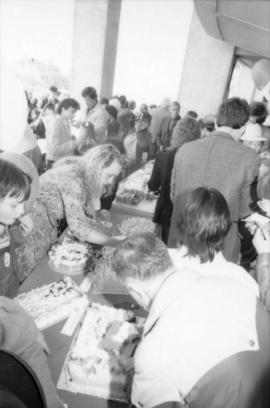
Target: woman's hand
{"points": [[105, 214], [158, 230]]}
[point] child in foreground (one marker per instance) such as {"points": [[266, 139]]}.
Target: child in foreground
{"points": [[18, 331], [14, 191]]}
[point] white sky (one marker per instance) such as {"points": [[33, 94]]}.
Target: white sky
{"points": [[41, 29], [151, 48]]}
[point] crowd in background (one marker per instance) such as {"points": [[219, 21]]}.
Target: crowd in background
{"points": [[157, 133], [212, 179], [116, 121]]}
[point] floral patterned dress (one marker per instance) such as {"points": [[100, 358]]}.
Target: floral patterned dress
{"points": [[63, 196]]}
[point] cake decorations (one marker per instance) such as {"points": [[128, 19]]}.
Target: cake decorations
{"points": [[102, 353], [134, 188], [71, 257], [50, 304]]}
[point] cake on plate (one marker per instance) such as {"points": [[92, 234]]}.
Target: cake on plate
{"points": [[49, 304], [71, 257], [134, 189], [102, 353]]}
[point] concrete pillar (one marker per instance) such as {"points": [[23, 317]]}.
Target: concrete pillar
{"points": [[206, 70], [95, 37]]}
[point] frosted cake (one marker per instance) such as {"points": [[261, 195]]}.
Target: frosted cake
{"points": [[50, 304], [101, 354], [71, 257]]}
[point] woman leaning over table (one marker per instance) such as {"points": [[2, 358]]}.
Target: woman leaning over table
{"points": [[70, 197]]}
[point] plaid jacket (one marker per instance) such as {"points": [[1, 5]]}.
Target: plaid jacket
{"points": [[215, 162]]}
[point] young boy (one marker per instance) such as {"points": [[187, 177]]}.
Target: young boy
{"points": [[18, 332], [14, 191]]}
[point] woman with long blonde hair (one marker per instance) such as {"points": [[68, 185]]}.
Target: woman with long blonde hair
{"points": [[69, 196]]}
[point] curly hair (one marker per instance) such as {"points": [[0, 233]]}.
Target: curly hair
{"points": [[203, 222], [93, 162], [186, 130]]}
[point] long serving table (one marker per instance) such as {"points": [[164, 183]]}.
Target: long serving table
{"points": [[144, 208], [109, 292]]}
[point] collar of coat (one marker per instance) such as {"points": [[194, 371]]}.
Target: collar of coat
{"points": [[174, 286], [223, 134]]}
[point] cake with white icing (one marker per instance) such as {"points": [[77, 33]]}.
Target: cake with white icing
{"points": [[71, 257], [134, 188], [50, 304], [102, 353]]}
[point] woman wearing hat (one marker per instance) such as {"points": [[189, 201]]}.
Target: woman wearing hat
{"points": [[253, 137]]}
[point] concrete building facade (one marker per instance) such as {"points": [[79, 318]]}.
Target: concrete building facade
{"points": [[207, 68], [96, 26]]}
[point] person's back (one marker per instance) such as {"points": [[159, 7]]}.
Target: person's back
{"points": [[185, 131], [205, 341], [217, 162], [58, 130], [160, 124], [99, 118], [113, 129], [197, 330], [60, 142]]}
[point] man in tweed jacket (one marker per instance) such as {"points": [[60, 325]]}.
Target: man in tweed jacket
{"points": [[219, 161]]}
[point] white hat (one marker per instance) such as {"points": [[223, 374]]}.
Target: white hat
{"points": [[115, 102], [253, 133]]}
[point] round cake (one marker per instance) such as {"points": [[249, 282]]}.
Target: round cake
{"points": [[71, 257]]}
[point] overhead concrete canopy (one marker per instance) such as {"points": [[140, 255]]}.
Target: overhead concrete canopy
{"points": [[242, 23]]}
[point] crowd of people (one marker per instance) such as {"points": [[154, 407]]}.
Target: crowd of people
{"points": [[203, 277]]}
